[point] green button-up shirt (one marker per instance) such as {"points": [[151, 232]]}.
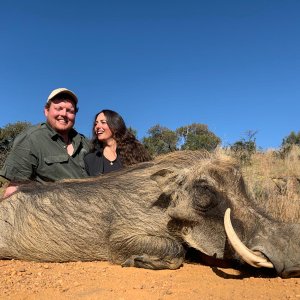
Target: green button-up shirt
{"points": [[40, 154]]}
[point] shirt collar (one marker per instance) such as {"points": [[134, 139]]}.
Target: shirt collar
{"points": [[55, 135]]}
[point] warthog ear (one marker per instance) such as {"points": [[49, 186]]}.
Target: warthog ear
{"points": [[169, 180], [163, 178], [162, 175]]}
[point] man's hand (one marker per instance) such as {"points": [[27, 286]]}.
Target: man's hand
{"points": [[12, 187]]}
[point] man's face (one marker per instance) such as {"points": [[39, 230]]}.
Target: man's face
{"points": [[61, 115]]}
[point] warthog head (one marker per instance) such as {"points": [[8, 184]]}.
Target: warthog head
{"points": [[201, 196]]}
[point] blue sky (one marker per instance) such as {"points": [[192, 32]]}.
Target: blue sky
{"points": [[232, 65]]}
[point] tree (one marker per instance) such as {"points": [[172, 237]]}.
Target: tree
{"points": [[11, 130], [244, 148], [7, 136], [197, 136], [160, 140], [293, 139]]}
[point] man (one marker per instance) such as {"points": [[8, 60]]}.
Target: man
{"points": [[49, 151]]}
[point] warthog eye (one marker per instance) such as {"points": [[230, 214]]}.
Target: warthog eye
{"points": [[204, 196]]}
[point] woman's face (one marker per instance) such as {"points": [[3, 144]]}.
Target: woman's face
{"points": [[102, 129]]}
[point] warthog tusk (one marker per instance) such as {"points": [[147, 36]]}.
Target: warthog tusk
{"points": [[246, 254]]}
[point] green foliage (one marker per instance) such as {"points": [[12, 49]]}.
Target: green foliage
{"points": [[192, 137], [245, 148], [161, 140], [11, 130], [7, 136], [293, 139], [197, 136]]}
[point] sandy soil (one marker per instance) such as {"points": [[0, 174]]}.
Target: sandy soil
{"points": [[102, 280]]}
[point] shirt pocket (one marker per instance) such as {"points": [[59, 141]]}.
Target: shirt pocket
{"points": [[54, 159]]}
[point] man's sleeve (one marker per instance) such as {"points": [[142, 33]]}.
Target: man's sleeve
{"points": [[20, 163]]}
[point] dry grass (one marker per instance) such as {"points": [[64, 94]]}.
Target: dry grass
{"points": [[274, 183]]}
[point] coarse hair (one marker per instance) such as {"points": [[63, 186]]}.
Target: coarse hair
{"points": [[130, 150]]}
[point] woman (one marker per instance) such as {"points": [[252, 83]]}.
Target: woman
{"points": [[113, 145]]}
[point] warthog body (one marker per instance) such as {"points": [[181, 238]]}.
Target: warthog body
{"points": [[144, 216]]}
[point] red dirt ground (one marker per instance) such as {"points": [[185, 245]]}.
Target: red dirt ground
{"points": [[102, 280]]}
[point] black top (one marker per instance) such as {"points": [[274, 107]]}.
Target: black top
{"points": [[96, 163]]}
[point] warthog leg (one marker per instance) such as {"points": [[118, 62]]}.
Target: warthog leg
{"points": [[145, 251], [153, 262]]}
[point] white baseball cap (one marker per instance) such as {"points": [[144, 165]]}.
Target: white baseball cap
{"points": [[58, 91]]}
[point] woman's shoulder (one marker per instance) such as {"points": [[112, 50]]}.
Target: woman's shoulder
{"points": [[92, 155]]}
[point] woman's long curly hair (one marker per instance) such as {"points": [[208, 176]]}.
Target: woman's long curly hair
{"points": [[130, 150]]}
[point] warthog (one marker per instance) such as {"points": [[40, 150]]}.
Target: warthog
{"points": [[146, 216]]}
